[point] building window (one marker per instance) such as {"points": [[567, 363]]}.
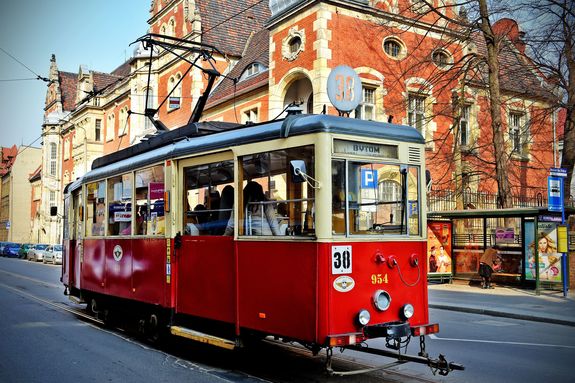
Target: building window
{"points": [[66, 148], [110, 128], [393, 48], [123, 128], [53, 158], [175, 97], [98, 130], [250, 115], [366, 109], [52, 198], [416, 112], [252, 70], [517, 132], [440, 58], [172, 27], [293, 44], [464, 125]]}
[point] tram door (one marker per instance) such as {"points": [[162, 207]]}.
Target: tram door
{"points": [[206, 283], [72, 240]]}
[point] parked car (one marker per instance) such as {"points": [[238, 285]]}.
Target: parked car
{"points": [[36, 252], [53, 254], [11, 250], [23, 252], [2, 244]]}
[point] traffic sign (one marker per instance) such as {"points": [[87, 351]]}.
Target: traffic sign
{"points": [[558, 172], [555, 193]]}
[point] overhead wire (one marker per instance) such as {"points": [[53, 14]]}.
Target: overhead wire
{"points": [[38, 77]]}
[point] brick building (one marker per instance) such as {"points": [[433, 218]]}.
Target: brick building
{"points": [[282, 51]]}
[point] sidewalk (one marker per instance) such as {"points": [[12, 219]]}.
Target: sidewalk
{"points": [[504, 301]]}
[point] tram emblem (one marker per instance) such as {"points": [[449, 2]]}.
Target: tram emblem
{"points": [[118, 253], [343, 284]]}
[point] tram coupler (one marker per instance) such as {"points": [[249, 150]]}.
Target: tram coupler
{"points": [[439, 365]]}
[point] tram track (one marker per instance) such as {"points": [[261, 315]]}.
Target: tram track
{"points": [[378, 375]]}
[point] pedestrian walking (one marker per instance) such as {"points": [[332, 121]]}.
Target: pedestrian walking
{"points": [[486, 264]]}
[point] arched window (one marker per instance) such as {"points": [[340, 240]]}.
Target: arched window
{"points": [[394, 48], [172, 27], [111, 128], [123, 128], [148, 125], [441, 58], [175, 98], [252, 70]]}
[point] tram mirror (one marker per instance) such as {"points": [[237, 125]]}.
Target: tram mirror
{"points": [[53, 211], [298, 170]]}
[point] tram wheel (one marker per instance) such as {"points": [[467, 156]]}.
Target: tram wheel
{"points": [[154, 331]]}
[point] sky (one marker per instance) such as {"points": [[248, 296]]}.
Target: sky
{"points": [[96, 34]]}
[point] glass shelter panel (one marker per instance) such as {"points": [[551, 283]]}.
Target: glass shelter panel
{"points": [[278, 193]]}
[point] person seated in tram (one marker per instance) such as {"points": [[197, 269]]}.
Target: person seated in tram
{"points": [[261, 218], [197, 221]]}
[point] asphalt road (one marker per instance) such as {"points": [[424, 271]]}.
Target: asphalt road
{"points": [[41, 342]]}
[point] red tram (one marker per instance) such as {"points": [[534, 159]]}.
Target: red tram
{"points": [[310, 229]]}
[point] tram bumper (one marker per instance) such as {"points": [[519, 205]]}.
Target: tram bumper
{"points": [[393, 330]]}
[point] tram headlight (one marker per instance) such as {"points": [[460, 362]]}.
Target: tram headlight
{"points": [[381, 300], [363, 317], [407, 311]]}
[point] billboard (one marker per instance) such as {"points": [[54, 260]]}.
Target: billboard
{"points": [[549, 259], [439, 254]]}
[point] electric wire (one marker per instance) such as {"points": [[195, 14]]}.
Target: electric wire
{"points": [[38, 77]]}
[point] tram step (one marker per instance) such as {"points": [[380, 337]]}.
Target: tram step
{"points": [[203, 338]]}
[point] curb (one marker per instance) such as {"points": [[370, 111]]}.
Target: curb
{"points": [[503, 314]]}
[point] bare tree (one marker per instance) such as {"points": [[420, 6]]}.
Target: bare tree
{"points": [[463, 25], [551, 42]]}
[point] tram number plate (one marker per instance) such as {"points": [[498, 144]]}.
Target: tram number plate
{"points": [[341, 260]]}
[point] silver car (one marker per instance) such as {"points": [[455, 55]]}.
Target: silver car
{"points": [[53, 254], [36, 252]]}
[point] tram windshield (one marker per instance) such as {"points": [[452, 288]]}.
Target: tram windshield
{"points": [[373, 198]]}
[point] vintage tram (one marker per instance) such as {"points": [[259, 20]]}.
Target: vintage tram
{"points": [[329, 251]]}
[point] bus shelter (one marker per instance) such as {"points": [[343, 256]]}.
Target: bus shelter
{"points": [[532, 245]]}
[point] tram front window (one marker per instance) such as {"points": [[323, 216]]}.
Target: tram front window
{"points": [[377, 199]]}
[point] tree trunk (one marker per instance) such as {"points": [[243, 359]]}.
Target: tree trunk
{"points": [[501, 158], [568, 158]]}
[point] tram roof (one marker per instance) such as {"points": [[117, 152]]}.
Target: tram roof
{"points": [[183, 144]]}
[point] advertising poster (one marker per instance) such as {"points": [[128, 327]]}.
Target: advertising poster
{"points": [[439, 247], [546, 243]]}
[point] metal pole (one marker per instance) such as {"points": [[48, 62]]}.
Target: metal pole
{"points": [[563, 255], [536, 249]]}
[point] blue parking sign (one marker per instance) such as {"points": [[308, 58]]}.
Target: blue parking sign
{"points": [[368, 179], [555, 193]]}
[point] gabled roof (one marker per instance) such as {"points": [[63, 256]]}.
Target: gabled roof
{"points": [[515, 75], [36, 174], [227, 25], [256, 50], [68, 83], [103, 80], [7, 158]]}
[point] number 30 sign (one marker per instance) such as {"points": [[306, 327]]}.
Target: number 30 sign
{"points": [[341, 260], [344, 88]]}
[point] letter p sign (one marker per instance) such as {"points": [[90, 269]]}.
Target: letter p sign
{"points": [[368, 179]]}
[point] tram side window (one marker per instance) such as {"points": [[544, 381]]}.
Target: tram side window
{"points": [[96, 209], [120, 205], [150, 218], [273, 201], [209, 198]]}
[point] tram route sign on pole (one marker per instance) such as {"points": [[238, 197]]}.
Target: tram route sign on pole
{"points": [[555, 191]]}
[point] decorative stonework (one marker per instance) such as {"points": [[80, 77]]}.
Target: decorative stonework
{"points": [[293, 44]]}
